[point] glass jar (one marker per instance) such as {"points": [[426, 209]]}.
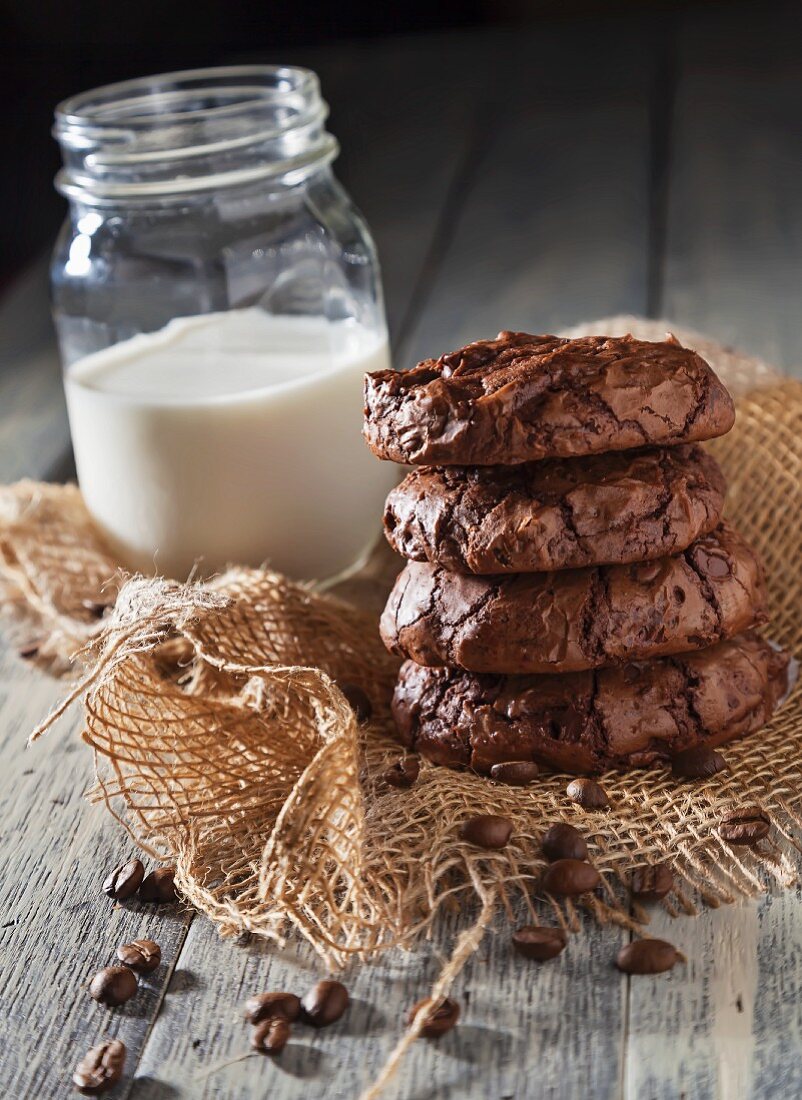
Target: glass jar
{"points": [[217, 301]]}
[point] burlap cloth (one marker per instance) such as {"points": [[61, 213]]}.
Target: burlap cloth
{"points": [[222, 742]]}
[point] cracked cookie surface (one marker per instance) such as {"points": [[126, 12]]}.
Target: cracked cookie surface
{"points": [[579, 618], [588, 721], [556, 514], [520, 398]]}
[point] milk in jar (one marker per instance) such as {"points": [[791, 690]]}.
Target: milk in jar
{"points": [[231, 437]]}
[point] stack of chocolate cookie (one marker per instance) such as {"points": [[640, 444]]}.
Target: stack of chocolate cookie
{"points": [[572, 594]]}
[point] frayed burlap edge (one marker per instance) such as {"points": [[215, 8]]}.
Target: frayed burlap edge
{"points": [[223, 743]]}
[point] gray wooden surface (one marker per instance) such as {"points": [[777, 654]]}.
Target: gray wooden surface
{"points": [[511, 181]]}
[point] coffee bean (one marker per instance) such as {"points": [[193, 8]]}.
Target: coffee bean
{"points": [[563, 841], [486, 831], [141, 955], [648, 957], [697, 763], [403, 773], [539, 943], [270, 1036], [269, 1006], [517, 773], [159, 885], [359, 702], [325, 1003], [442, 1017], [124, 881], [746, 826], [653, 882], [568, 878], [113, 985], [588, 793], [100, 1068]]}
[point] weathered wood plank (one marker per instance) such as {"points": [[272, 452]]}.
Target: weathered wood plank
{"points": [[555, 227], [56, 927], [729, 1024], [34, 437], [686, 1035], [506, 1040], [406, 125], [734, 232], [777, 1003]]}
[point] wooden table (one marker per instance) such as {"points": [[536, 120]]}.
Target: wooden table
{"points": [[513, 180]]}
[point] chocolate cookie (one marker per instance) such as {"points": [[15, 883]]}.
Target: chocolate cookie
{"points": [[578, 618], [521, 397], [589, 721], [557, 514]]}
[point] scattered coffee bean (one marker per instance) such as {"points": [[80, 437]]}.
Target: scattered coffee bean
{"points": [[648, 957], [441, 1018], [124, 881], [403, 773], [269, 1006], [515, 772], [587, 793], [746, 826], [568, 878], [159, 885], [539, 943], [141, 955], [325, 1003], [563, 841], [113, 986], [653, 882], [486, 831], [698, 763], [359, 702], [100, 1068], [270, 1036]]}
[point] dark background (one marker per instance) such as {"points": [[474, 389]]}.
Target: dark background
{"points": [[51, 50]]}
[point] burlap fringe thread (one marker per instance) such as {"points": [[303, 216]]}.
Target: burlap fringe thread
{"points": [[222, 742]]}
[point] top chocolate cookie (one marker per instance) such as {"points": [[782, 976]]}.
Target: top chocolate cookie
{"points": [[520, 398]]}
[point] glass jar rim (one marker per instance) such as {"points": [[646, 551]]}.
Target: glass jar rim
{"points": [[117, 137]]}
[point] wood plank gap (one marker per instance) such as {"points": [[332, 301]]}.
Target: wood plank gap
{"points": [[661, 122], [626, 1030], [165, 989]]}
